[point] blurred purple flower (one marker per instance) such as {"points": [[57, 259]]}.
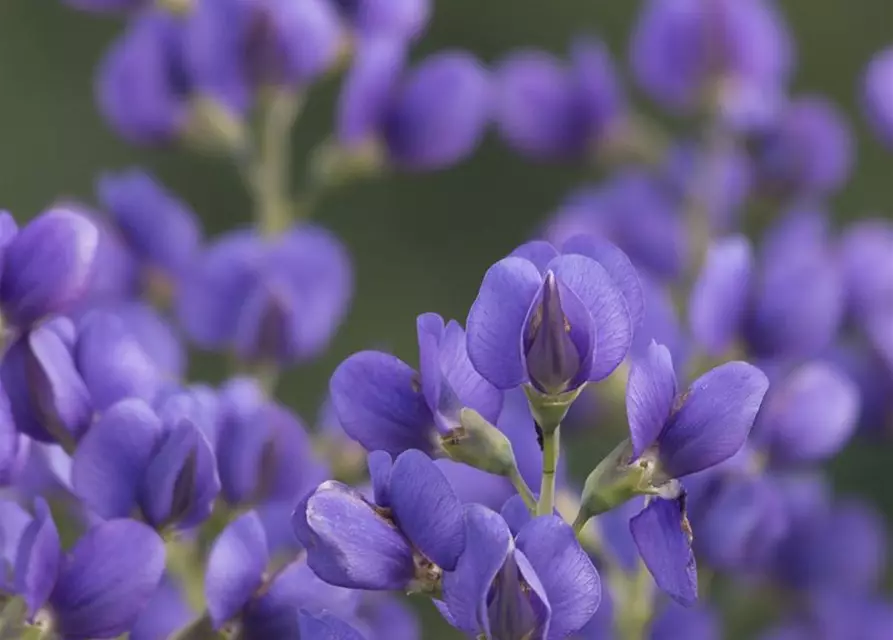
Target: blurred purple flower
{"points": [[276, 300], [635, 211], [161, 230], [49, 399], [787, 301], [808, 415], [548, 110], [235, 47], [691, 623], [143, 87], [412, 532], [382, 403], [807, 151], [47, 265], [265, 458], [132, 458], [878, 95], [840, 548], [739, 520], [166, 613], [738, 54], [112, 362], [555, 320], [429, 117], [539, 583], [99, 588]]}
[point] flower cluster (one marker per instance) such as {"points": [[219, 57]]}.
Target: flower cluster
{"points": [[135, 501]]}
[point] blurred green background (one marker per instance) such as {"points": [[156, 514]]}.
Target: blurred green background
{"points": [[420, 242]]}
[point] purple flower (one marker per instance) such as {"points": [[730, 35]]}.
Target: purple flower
{"points": [[554, 320], [807, 151], [548, 110], [166, 613], [161, 230], [837, 615], [132, 458], [682, 52], [682, 434], [152, 331], [405, 540], [112, 362], [808, 415], [430, 117], [264, 458], [99, 588], [14, 445], [237, 587], [839, 548], [47, 265], [395, 19], [276, 300], [143, 87], [788, 301], [877, 95], [539, 583], [661, 324], [636, 212], [866, 257], [674, 436], [115, 275], [49, 399], [739, 522], [234, 47], [692, 623], [382, 403]]}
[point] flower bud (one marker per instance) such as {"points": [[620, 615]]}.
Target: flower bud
{"points": [[613, 482], [479, 444]]}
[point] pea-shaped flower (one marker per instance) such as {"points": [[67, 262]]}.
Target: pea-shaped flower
{"points": [[238, 588], [405, 540], [674, 435], [425, 118], [384, 404], [679, 59], [548, 110], [234, 47], [49, 399], [268, 299], [555, 320], [98, 588], [161, 231], [48, 265], [142, 87], [161, 463], [394, 19], [538, 583]]}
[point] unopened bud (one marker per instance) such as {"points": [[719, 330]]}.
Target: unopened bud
{"points": [[479, 444], [613, 482]]}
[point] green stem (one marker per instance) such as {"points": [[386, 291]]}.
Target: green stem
{"points": [[523, 490], [269, 175], [551, 441]]}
